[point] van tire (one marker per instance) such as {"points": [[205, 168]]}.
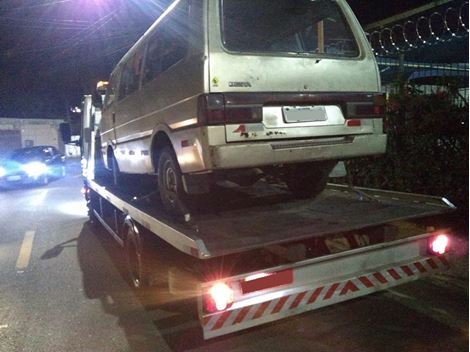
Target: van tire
{"points": [[170, 183], [308, 180]]}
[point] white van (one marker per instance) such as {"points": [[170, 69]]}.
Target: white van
{"points": [[234, 89]]}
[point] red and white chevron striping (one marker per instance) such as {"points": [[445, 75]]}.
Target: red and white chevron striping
{"points": [[324, 295]]}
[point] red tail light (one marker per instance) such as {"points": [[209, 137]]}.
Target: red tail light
{"points": [[372, 109], [213, 109], [354, 123], [218, 298], [439, 244]]}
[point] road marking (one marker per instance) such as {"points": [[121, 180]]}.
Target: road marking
{"points": [[3, 326], [25, 251]]}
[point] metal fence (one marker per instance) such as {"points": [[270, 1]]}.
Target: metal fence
{"points": [[423, 61], [427, 51], [425, 78]]}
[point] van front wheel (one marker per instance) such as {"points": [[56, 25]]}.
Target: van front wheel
{"points": [[170, 183]]}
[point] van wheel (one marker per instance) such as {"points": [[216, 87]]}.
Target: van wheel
{"points": [[308, 180], [170, 183]]}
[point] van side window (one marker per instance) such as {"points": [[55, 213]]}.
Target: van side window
{"points": [[165, 49], [131, 74]]}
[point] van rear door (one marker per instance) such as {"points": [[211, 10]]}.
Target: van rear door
{"points": [[301, 61]]}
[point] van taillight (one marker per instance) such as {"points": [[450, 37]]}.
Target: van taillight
{"points": [[214, 110], [375, 108]]}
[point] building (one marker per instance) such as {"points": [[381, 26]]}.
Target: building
{"points": [[17, 133]]}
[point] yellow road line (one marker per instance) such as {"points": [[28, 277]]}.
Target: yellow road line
{"points": [[25, 252]]}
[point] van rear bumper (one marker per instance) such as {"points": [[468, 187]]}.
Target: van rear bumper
{"points": [[245, 155]]}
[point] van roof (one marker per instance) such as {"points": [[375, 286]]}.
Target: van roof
{"points": [[137, 44]]}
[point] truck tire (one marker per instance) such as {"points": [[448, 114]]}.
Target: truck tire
{"points": [[308, 180], [170, 183], [137, 259]]}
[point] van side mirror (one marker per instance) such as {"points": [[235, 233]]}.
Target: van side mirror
{"points": [[65, 132]]}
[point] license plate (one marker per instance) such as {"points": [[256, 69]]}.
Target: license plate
{"points": [[13, 178], [293, 114]]}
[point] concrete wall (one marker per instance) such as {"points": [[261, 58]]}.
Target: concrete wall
{"points": [[33, 132]]}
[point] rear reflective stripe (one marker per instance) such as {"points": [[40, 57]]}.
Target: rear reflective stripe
{"points": [[234, 320], [279, 305], [444, 260], [407, 270], [420, 267], [331, 291], [431, 263], [261, 310], [297, 300], [380, 278], [220, 322], [315, 295], [348, 287], [366, 282], [394, 274], [241, 315]]}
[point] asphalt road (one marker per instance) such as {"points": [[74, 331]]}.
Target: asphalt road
{"points": [[62, 289]]}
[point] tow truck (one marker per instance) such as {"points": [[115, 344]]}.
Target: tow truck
{"points": [[249, 256]]}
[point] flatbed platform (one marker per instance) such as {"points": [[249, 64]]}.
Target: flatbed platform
{"points": [[236, 219]]}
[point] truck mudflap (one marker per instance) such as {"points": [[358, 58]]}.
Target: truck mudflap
{"points": [[264, 297]]}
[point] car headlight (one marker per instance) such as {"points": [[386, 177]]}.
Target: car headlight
{"points": [[34, 169], [3, 172]]}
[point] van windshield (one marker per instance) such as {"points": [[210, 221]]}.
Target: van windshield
{"points": [[288, 26]]}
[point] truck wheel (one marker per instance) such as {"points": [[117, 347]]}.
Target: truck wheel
{"points": [[170, 183], [137, 259], [308, 180]]}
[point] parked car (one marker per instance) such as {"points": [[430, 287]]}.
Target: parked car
{"points": [[236, 89], [33, 165]]}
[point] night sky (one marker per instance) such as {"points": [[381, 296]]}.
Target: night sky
{"points": [[54, 51]]}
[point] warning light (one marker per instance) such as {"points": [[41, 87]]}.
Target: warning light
{"points": [[439, 244], [220, 297], [101, 85]]}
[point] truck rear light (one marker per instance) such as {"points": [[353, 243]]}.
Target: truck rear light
{"points": [[439, 244], [218, 298], [213, 109]]}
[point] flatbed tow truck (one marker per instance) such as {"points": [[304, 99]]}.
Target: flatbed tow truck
{"points": [[249, 256]]}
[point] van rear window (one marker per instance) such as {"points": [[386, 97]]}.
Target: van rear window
{"points": [[288, 26]]}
